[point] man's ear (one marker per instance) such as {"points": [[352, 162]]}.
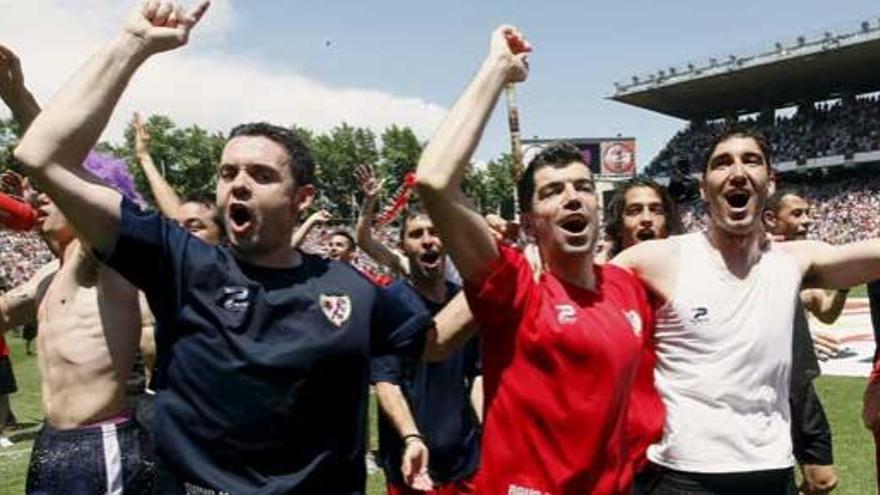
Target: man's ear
{"points": [[303, 197], [769, 218]]}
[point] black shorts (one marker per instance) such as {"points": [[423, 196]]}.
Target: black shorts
{"points": [[7, 378], [658, 480], [115, 459]]}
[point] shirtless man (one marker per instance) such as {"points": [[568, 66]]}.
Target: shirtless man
{"points": [[89, 329]]}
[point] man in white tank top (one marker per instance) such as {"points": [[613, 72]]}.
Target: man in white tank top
{"points": [[724, 333]]}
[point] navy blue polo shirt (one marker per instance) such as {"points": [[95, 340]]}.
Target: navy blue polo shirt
{"points": [[438, 395], [262, 373]]}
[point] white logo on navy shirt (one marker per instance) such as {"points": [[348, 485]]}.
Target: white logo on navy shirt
{"points": [[337, 308], [235, 298], [565, 314]]}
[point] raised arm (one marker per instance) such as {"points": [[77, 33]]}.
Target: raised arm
{"points": [[166, 197], [445, 159], [13, 91], [320, 216], [837, 267], [825, 305], [58, 141], [364, 230]]}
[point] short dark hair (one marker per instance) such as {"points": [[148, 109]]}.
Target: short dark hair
{"points": [[617, 208], [301, 162], [344, 233], [774, 201], [737, 131], [412, 211], [557, 154]]}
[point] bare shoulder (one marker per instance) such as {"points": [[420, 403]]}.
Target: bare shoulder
{"points": [[646, 255], [803, 252], [655, 263]]}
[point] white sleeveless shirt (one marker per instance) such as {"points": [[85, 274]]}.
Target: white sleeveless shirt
{"points": [[724, 361]]}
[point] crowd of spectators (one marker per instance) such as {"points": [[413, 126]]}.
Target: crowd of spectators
{"points": [[21, 255], [840, 128], [317, 239]]}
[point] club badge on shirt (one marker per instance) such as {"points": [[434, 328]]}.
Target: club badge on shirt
{"points": [[337, 308], [635, 321]]}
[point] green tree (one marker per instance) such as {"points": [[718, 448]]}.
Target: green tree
{"points": [[187, 157], [492, 187], [8, 140], [400, 154], [337, 153]]}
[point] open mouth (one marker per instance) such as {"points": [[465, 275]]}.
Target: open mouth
{"points": [[430, 258], [574, 224], [645, 235], [737, 199], [240, 216]]}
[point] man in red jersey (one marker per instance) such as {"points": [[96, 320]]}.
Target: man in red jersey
{"points": [[560, 354]]}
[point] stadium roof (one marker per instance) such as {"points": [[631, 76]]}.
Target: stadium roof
{"points": [[805, 70]]}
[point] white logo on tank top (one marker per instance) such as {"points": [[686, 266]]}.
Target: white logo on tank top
{"points": [[565, 314], [700, 315]]}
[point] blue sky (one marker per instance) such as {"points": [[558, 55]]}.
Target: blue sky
{"points": [[407, 61]]}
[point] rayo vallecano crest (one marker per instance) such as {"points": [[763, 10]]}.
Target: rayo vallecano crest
{"points": [[337, 308]]}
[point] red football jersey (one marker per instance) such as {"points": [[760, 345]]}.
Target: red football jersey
{"points": [[4, 349], [559, 364]]}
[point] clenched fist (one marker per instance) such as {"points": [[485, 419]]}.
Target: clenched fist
{"points": [[162, 25]]}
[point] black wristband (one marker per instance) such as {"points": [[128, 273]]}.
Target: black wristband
{"points": [[413, 435]]}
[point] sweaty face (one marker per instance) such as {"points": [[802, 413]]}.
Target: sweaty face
{"points": [[563, 215], [735, 185], [200, 220], [423, 247], [340, 248], [258, 196], [793, 218], [643, 216]]}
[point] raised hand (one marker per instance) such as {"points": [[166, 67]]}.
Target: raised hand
{"points": [[141, 136], [320, 216], [367, 179], [11, 76], [415, 465], [510, 47], [162, 25]]}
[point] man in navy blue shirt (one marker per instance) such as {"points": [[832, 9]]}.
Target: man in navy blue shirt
{"points": [[263, 351], [428, 430]]}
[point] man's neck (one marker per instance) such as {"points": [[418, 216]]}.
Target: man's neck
{"points": [[432, 289], [65, 251], [281, 258], [574, 269], [739, 252]]}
